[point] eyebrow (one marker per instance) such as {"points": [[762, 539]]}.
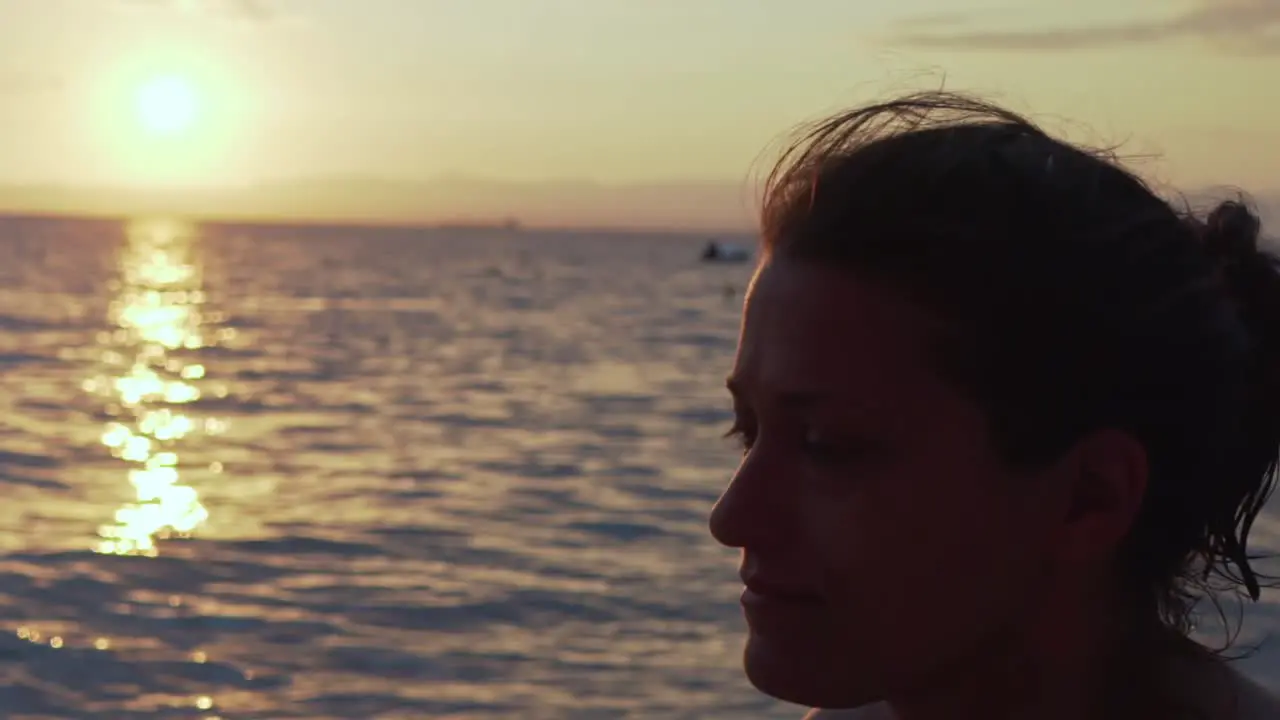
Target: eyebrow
{"points": [[792, 397]]}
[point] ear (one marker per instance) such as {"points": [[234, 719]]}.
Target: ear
{"points": [[1104, 481]]}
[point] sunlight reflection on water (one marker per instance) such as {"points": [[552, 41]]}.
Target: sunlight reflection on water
{"points": [[149, 382]]}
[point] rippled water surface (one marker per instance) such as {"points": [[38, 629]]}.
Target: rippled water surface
{"points": [[328, 473]]}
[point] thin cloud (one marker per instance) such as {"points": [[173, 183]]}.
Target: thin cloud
{"points": [[256, 11], [1238, 26], [944, 19]]}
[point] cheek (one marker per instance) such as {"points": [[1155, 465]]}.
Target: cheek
{"points": [[898, 552]]}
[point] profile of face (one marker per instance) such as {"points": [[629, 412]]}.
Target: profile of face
{"points": [[885, 541]]}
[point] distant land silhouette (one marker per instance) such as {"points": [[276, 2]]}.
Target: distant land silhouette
{"points": [[457, 200], [451, 201]]}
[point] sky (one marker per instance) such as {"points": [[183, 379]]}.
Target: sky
{"points": [[570, 112]]}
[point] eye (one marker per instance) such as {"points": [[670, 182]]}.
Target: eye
{"points": [[743, 433], [827, 449]]}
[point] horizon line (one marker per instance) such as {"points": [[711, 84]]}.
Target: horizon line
{"points": [[365, 223]]}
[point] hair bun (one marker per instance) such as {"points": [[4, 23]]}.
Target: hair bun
{"points": [[1231, 232]]}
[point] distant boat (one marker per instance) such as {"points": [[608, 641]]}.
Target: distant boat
{"points": [[724, 252]]}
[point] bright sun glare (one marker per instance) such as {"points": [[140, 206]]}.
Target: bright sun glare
{"points": [[166, 105]]}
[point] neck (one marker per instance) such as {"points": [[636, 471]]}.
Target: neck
{"points": [[1062, 668]]}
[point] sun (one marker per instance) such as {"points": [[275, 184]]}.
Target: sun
{"points": [[166, 105]]}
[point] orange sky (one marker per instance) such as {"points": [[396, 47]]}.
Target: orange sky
{"points": [[532, 99]]}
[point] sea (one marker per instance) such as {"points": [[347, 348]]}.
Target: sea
{"points": [[334, 472]]}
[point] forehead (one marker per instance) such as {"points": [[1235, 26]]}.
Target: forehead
{"points": [[824, 329]]}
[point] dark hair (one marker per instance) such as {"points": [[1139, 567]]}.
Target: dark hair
{"points": [[1079, 300]]}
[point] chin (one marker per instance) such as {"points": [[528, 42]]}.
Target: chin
{"points": [[806, 676]]}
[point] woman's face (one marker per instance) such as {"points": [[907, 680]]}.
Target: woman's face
{"points": [[885, 543]]}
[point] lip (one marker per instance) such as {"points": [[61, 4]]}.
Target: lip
{"points": [[761, 594]]}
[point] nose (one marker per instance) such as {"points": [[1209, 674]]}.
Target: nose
{"points": [[754, 510]]}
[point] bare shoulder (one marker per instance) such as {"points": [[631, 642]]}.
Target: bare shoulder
{"points": [[877, 711], [1254, 702], [1248, 701]]}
